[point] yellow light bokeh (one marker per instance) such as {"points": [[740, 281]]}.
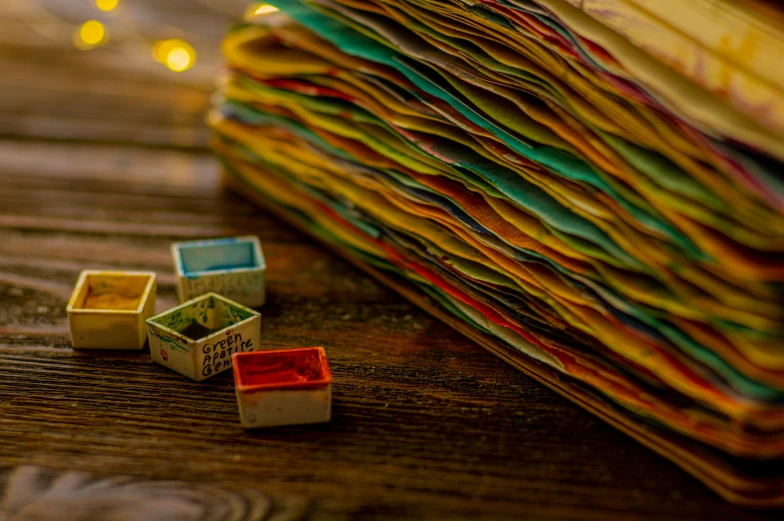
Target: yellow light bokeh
{"points": [[178, 60], [107, 5], [265, 9], [177, 55], [91, 33], [162, 48]]}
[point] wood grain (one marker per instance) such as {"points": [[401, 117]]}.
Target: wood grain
{"points": [[426, 424], [35, 494]]}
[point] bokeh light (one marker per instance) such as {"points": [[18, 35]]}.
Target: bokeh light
{"points": [[178, 55], [107, 5], [179, 60], [90, 34]]}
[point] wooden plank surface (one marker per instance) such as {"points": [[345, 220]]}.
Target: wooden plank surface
{"points": [[105, 172]]}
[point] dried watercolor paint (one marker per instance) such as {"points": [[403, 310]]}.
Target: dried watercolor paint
{"points": [[198, 338], [233, 267], [107, 309], [283, 387]]}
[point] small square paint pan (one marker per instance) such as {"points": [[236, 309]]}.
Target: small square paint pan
{"points": [[233, 267], [198, 338], [107, 309], [283, 387]]}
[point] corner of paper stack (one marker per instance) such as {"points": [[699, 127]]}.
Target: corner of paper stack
{"points": [[591, 189]]}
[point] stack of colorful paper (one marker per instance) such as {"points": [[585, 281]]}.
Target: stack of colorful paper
{"points": [[593, 190]]}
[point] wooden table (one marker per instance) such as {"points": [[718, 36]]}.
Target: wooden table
{"points": [[104, 167]]}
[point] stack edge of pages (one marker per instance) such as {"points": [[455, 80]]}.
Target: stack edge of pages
{"points": [[593, 190]]}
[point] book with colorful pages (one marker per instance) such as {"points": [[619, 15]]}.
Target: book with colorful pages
{"points": [[526, 173]]}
